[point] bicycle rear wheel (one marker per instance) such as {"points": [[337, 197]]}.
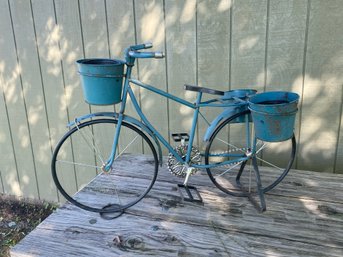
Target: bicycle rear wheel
{"points": [[83, 150], [230, 142]]}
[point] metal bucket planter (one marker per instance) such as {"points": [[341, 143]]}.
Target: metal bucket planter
{"points": [[101, 80], [273, 114]]}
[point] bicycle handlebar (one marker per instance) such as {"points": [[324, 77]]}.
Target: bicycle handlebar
{"points": [[132, 52], [135, 54]]}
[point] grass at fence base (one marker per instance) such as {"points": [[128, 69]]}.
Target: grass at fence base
{"points": [[18, 217]]}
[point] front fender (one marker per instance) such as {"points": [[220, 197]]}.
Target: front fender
{"points": [[126, 118]]}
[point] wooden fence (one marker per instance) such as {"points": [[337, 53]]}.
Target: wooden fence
{"points": [[267, 45]]}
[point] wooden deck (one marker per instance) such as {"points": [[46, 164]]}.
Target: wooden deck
{"points": [[304, 217]]}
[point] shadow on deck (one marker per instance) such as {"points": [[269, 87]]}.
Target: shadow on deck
{"points": [[304, 217]]}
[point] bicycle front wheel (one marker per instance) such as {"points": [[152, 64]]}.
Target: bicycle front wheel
{"points": [[81, 153], [232, 141]]}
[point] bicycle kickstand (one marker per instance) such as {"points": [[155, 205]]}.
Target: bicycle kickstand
{"points": [[189, 196]]}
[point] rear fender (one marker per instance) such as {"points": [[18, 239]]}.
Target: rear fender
{"points": [[223, 116], [226, 114]]}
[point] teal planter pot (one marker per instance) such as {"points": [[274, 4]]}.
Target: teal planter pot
{"points": [[101, 80], [273, 114]]}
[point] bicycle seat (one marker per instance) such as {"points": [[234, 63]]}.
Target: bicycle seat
{"points": [[203, 90]]}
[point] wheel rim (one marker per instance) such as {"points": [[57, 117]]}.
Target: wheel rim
{"points": [[81, 153], [274, 159]]}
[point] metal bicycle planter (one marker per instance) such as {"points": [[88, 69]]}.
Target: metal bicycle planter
{"points": [[232, 156]]}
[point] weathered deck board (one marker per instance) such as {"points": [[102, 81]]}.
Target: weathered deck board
{"points": [[304, 217]]}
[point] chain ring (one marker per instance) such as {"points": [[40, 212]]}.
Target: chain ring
{"points": [[179, 169]]}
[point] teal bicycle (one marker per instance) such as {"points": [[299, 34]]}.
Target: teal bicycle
{"points": [[237, 160]]}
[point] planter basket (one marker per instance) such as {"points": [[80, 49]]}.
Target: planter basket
{"points": [[101, 80], [273, 114]]}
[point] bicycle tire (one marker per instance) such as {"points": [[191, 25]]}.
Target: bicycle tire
{"points": [[273, 164], [68, 154]]}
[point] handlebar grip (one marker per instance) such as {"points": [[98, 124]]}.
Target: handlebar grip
{"points": [[147, 45], [159, 55], [141, 46]]}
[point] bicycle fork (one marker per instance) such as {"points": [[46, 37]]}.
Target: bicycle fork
{"points": [[107, 167]]}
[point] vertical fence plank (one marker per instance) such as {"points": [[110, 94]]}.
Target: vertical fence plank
{"points": [[30, 121], [121, 31], [48, 36], [213, 43], [121, 27], [286, 39], [150, 28], [95, 34], [94, 29], [213, 28], [70, 40], [95, 45], [249, 21], [181, 60], [249, 24], [25, 32], [71, 49], [9, 176], [322, 97], [2, 190], [9, 86], [339, 154], [8, 173]]}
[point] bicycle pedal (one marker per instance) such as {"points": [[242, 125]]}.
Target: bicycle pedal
{"points": [[178, 137], [190, 193]]}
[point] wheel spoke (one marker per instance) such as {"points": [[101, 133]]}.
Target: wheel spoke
{"points": [[79, 164], [228, 144], [118, 190], [261, 148], [92, 146], [128, 145], [232, 167], [116, 186], [269, 163]]}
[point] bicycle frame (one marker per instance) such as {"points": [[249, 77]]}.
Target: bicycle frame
{"points": [[184, 158], [127, 91]]}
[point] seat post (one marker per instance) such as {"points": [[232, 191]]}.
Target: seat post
{"points": [[194, 124]]}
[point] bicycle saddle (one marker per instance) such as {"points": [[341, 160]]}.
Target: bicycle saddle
{"points": [[203, 89]]}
